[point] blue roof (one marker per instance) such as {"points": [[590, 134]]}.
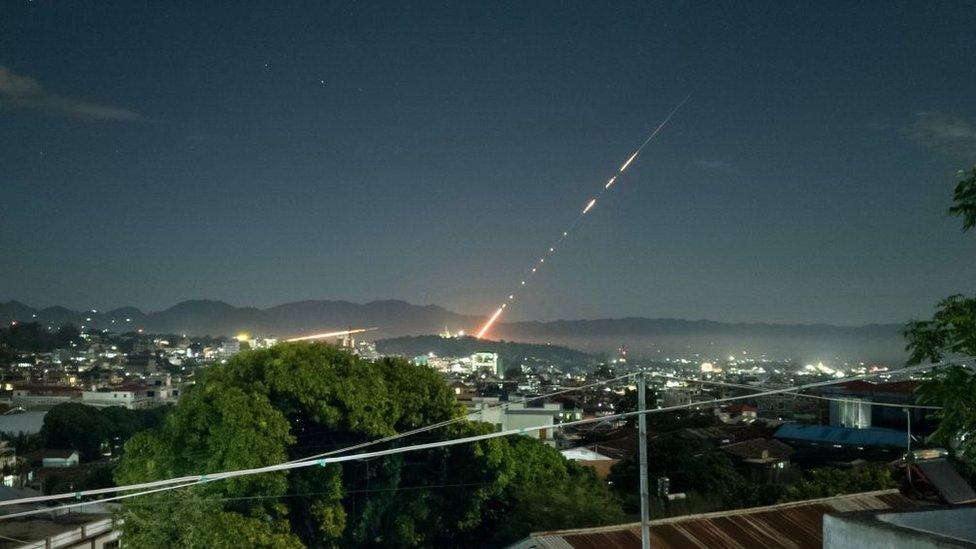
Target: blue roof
{"points": [[847, 436]]}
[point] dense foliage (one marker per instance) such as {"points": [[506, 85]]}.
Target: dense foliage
{"points": [[294, 400], [827, 482], [951, 333], [86, 428], [693, 467], [964, 199], [31, 337], [954, 389]]}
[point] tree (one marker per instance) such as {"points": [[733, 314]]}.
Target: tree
{"points": [[32, 337], [953, 389], [76, 426], [546, 492], [691, 466], [826, 482], [73, 425], [964, 199], [951, 332], [290, 401]]}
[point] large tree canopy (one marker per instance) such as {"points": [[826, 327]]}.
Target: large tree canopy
{"points": [[951, 333], [295, 400]]}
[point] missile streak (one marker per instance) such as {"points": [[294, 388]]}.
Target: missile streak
{"points": [[589, 206], [494, 317], [330, 334], [629, 160]]}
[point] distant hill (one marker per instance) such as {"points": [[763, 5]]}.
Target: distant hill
{"points": [[209, 317], [509, 352], [655, 337]]}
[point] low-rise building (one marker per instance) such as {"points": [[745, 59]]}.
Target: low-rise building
{"points": [[64, 531], [56, 458], [588, 457], [133, 396], [516, 414], [763, 460], [30, 395]]}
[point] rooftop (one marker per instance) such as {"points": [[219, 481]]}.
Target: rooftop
{"points": [[759, 449], [796, 525], [945, 480], [39, 529], [861, 386], [847, 436]]}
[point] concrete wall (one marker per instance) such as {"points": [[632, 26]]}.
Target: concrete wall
{"points": [[866, 532]]}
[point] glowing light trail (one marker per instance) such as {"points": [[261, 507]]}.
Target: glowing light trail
{"points": [[494, 317], [589, 206], [629, 160], [331, 334]]}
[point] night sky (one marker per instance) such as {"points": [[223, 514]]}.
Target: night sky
{"points": [[275, 151]]}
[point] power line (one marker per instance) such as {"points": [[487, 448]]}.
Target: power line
{"points": [[820, 397], [457, 419], [349, 448], [178, 482]]}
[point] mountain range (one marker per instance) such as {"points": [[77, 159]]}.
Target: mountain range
{"points": [[394, 318]]}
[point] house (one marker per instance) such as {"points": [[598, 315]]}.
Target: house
{"points": [[795, 525], [517, 414], [55, 459], [738, 413], [761, 459], [29, 395], [8, 454], [462, 392], [854, 408], [132, 396], [587, 457], [822, 435], [63, 531]]}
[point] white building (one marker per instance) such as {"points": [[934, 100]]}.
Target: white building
{"points": [[584, 454], [28, 396], [59, 459], [487, 361], [517, 415], [132, 397]]}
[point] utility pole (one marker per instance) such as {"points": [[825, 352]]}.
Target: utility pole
{"points": [[642, 442], [908, 454]]}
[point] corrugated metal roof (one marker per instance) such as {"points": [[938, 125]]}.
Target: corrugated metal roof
{"points": [[849, 436], [797, 525], [753, 449], [946, 481]]}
